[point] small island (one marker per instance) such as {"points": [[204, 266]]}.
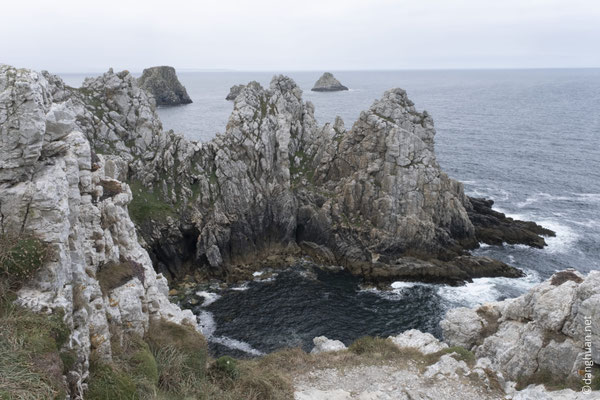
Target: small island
{"points": [[163, 84], [328, 83]]}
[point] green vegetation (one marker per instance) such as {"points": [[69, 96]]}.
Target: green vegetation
{"points": [[147, 205], [112, 275], [550, 381], [21, 256], [31, 365]]}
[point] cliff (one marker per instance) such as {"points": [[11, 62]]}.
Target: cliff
{"points": [[163, 84], [277, 185], [55, 188]]}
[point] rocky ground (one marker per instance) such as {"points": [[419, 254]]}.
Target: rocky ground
{"points": [[503, 350]]}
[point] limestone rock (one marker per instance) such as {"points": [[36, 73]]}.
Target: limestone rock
{"points": [[163, 84], [324, 345], [328, 83], [426, 343], [53, 186], [277, 185], [234, 92], [542, 331]]}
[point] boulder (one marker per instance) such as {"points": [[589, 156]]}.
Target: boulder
{"points": [[163, 84], [324, 345], [426, 343], [328, 83]]}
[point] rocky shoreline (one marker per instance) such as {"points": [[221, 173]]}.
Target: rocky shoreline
{"points": [[511, 348], [277, 185], [90, 172]]}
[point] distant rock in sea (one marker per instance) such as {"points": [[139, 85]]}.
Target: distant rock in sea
{"points": [[234, 92], [163, 84], [328, 83]]}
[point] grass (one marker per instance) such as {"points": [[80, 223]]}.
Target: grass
{"points": [[115, 274], [31, 365], [21, 256], [147, 206]]}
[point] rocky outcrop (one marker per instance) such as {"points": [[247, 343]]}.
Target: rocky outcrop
{"points": [[328, 83], [163, 84], [372, 198], [55, 187], [234, 92], [552, 329], [493, 227]]}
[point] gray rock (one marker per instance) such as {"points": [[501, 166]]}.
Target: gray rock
{"points": [[426, 343], [234, 92], [324, 345], [541, 331], [328, 83], [163, 84], [52, 187]]}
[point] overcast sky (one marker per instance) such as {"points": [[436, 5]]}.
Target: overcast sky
{"points": [[88, 36]]}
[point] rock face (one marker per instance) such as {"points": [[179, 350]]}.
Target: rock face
{"points": [[372, 198], [543, 331], [234, 92], [163, 84], [53, 186], [328, 83]]}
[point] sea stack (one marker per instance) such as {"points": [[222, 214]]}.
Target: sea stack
{"points": [[328, 83], [163, 84]]}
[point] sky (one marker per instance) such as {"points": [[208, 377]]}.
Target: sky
{"points": [[91, 36]]}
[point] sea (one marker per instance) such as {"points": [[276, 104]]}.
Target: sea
{"points": [[528, 139]]}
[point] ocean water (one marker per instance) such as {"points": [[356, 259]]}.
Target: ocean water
{"points": [[528, 139]]}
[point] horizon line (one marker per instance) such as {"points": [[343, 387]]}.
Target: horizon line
{"points": [[194, 69]]}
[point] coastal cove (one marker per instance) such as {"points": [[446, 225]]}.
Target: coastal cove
{"points": [[535, 162]]}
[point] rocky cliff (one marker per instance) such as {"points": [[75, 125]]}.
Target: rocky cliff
{"points": [[328, 83], [163, 84], [550, 331], [275, 185], [55, 187], [234, 92]]}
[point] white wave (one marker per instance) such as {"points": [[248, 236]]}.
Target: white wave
{"points": [[206, 323], [402, 285], [209, 297], [398, 291], [483, 290], [237, 345], [207, 326], [258, 273], [564, 239], [241, 288], [483, 245], [573, 197]]}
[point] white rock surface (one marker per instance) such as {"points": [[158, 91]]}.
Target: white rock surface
{"points": [[324, 345], [541, 331], [52, 187], [426, 343]]}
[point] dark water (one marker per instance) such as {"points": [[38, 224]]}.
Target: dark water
{"points": [[529, 139]]}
